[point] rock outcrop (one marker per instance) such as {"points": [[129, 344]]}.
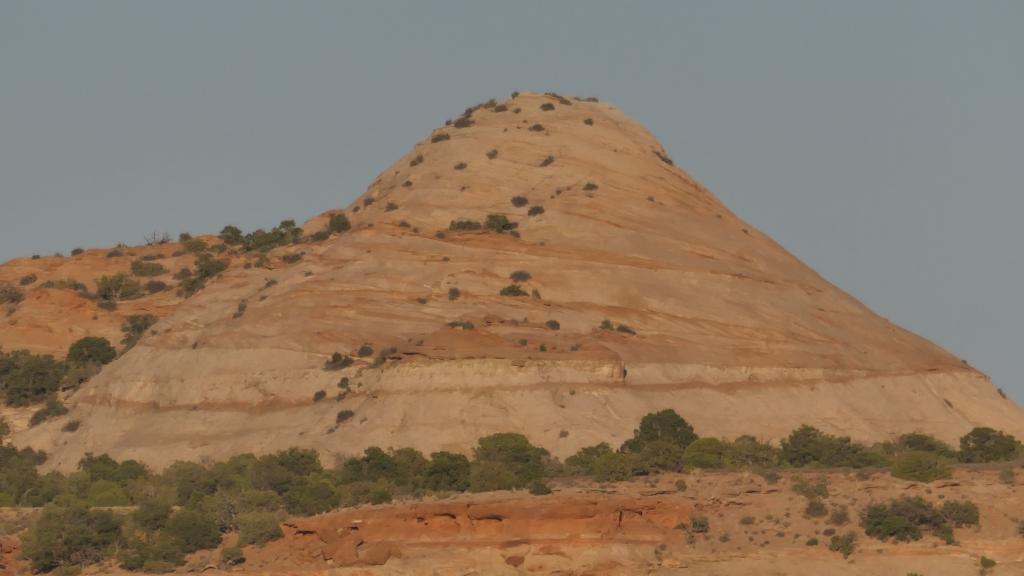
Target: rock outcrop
{"points": [[642, 292]]}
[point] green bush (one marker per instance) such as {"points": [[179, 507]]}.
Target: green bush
{"points": [[69, 535], [195, 245], [134, 328], [120, 286], [191, 530], [447, 472], [51, 409], [231, 235], [339, 223], [526, 462], [26, 378], [662, 456], [988, 445], [706, 453], [152, 514], [512, 290], [917, 442], [232, 556], [815, 509], [463, 224], [808, 446], [520, 201], [142, 268], [844, 543], [666, 426], [499, 223], [700, 524], [921, 467], [91, 350], [10, 294], [903, 519], [258, 528]]}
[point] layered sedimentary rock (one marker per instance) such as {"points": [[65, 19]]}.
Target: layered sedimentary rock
{"points": [[644, 292]]}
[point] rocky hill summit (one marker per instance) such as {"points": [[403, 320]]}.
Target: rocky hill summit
{"points": [[536, 265]]}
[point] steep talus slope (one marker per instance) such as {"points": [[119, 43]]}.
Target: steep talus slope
{"points": [[733, 332]]}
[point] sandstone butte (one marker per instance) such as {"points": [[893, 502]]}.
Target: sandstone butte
{"points": [[731, 331]]}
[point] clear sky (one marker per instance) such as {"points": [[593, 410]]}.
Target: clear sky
{"points": [[880, 141]]}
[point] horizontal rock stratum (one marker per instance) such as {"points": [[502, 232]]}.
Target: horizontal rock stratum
{"points": [[728, 328]]}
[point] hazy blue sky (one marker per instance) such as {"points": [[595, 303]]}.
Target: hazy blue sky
{"points": [[880, 141]]}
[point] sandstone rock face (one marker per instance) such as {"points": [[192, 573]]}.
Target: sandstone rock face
{"points": [[729, 329]]}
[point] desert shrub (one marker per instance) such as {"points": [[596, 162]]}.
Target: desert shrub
{"points": [[69, 535], [624, 329], [547, 106], [339, 223], [918, 442], [706, 453], [191, 530], [535, 211], [960, 513], [454, 293], [104, 493], [344, 415], [661, 456], [135, 327], [491, 476], [512, 290], [520, 201], [115, 253], [460, 166], [51, 409], [364, 351], [808, 446], [492, 154], [843, 543], [540, 489], [811, 489], [700, 525], [319, 395], [519, 276], [602, 464], [589, 186], [747, 520], [152, 513], [921, 467], [232, 556], [28, 378], [986, 564], [417, 160], [664, 157], [988, 445], [258, 528], [91, 349], [588, 121], [524, 461], [154, 286], [499, 223], [666, 426], [815, 508], [748, 452], [902, 519], [811, 542], [548, 161], [463, 224], [552, 325], [142, 268], [118, 287], [439, 137], [320, 235], [27, 279], [606, 324], [338, 362], [1006, 476], [447, 472], [840, 515], [76, 251], [195, 245], [65, 284], [537, 128]]}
